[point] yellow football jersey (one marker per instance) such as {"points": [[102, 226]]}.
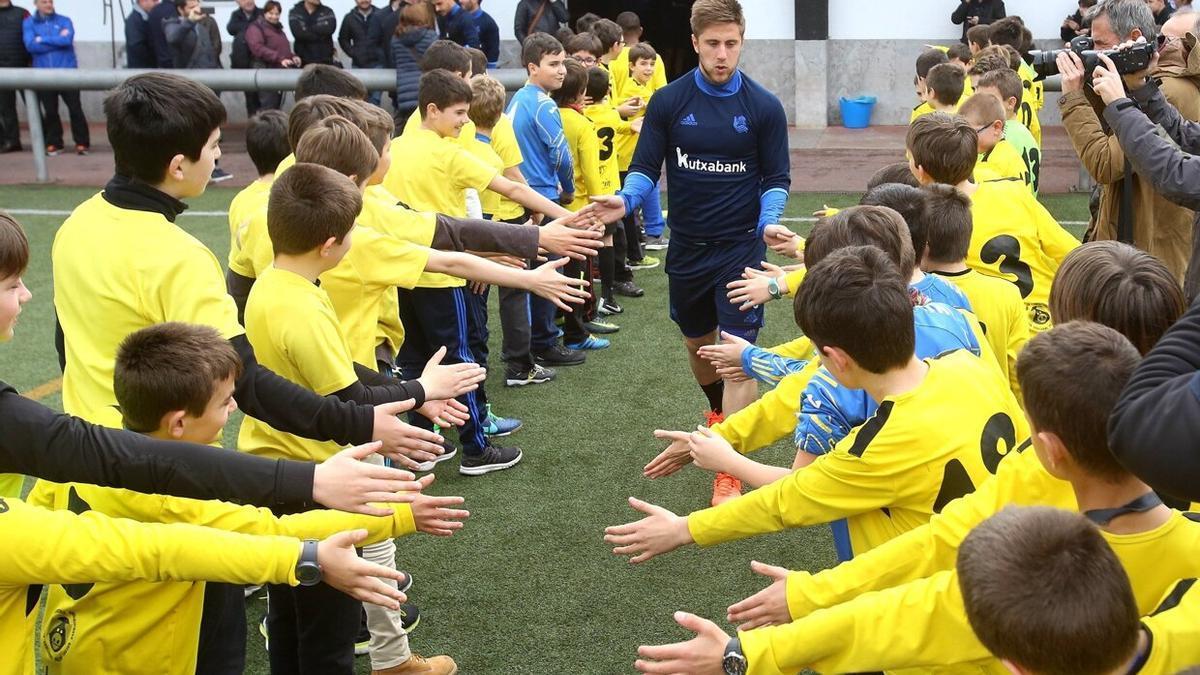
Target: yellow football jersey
{"points": [[1002, 161], [245, 204], [609, 126], [585, 156], [494, 204], [618, 70], [920, 450], [1032, 99], [627, 143]]}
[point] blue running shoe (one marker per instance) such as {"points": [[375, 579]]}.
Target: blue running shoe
{"points": [[499, 426], [592, 342]]}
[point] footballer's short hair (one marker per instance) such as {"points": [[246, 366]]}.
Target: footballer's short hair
{"points": [[538, 46], [706, 13], [443, 89], [1043, 590], [911, 204], [153, 117], [168, 367], [597, 84], [446, 55], [309, 204], [878, 226], [929, 58], [983, 109], [608, 33], [897, 172], [642, 50], [849, 299], [630, 22], [371, 119], [948, 222], [487, 101], [959, 52], [945, 146], [1005, 81], [989, 59], [946, 81], [584, 23], [267, 140], [321, 78], [335, 142], [584, 42], [574, 83], [1119, 286], [980, 35], [1071, 377], [478, 60], [1007, 31], [14, 247]]}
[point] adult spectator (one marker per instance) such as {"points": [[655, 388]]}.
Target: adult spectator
{"points": [[313, 25], [12, 55], [352, 37], [50, 38], [138, 51], [1162, 10], [971, 13], [415, 32], [1075, 25], [382, 29], [269, 48], [539, 16], [239, 55], [158, 38], [1131, 209], [193, 36], [455, 24], [489, 32]]}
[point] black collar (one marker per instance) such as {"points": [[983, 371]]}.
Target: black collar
{"points": [[1142, 504], [129, 193]]}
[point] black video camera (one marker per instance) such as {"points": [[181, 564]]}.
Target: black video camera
{"points": [[1137, 57]]}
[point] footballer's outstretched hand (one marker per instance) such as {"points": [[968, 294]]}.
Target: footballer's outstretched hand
{"points": [[781, 240], [449, 381], [677, 455], [346, 483], [726, 357], [659, 532], [702, 655], [767, 607], [435, 515], [609, 208], [404, 443], [342, 569], [557, 288], [560, 237]]}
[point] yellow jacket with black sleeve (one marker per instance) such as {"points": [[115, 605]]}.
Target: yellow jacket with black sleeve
{"points": [[770, 418], [105, 635], [59, 547]]}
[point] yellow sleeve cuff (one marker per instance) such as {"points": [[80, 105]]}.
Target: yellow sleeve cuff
{"points": [[793, 280]]}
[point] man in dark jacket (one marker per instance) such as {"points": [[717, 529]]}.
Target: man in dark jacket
{"points": [[455, 25], [313, 25], [193, 36], [158, 39], [971, 13], [138, 52], [352, 37], [239, 56], [489, 32], [539, 16], [12, 55], [380, 30]]}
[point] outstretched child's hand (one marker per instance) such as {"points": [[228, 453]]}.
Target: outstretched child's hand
{"points": [[346, 483], [767, 607], [726, 357], [445, 412], [433, 515], [753, 289], [636, 125], [661, 531], [565, 236], [675, 457], [342, 569], [449, 381], [710, 451], [557, 288], [702, 655]]}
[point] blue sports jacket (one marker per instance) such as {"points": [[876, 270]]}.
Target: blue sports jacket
{"points": [[50, 40]]}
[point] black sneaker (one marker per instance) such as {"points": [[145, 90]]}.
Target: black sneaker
{"points": [[609, 307], [362, 642], [406, 585], [628, 289], [219, 175], [493, 458], [559, 355], [410, 616], [535, 375], [658, 243]]}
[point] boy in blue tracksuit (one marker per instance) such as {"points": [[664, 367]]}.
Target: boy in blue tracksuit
{"points": [[50, 38], [547, 168]]}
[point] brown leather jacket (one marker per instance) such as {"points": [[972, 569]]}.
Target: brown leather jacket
{"points": [[1160, 227]]}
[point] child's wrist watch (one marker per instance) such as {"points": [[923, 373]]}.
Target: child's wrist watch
{"points": [[308, 570], [734, 661]]}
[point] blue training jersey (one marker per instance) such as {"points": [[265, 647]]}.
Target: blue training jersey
{"points": [[726, 153], [544, 149], [938, 289]]}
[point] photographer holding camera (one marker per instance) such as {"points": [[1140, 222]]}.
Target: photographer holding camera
{"points": [[971, 13], [1131, 210]]}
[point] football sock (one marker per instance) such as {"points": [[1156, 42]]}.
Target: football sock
{"points": [[713, 391], [608, 272]]}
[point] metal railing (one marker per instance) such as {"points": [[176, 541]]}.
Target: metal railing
{"points": [[31, 80]]}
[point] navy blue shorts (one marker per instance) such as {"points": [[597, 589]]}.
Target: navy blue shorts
{"points": [[698, 276]]}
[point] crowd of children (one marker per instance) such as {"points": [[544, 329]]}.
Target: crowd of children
{"points": [[948, 392]]}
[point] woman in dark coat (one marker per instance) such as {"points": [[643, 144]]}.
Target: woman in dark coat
{"points": [[270, 48], [414, 34]]}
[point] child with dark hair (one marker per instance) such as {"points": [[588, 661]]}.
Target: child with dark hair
{"points": [[320, 78], [944, 87], [925, 62], [267, 145]]}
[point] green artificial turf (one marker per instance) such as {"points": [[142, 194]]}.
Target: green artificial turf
{"points": [[529, 586]]}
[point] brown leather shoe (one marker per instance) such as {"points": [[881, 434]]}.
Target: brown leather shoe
{"points": [[419, 665]]}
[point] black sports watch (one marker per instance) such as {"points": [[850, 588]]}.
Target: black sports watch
{"points": [[734, 661], [308, 571]]}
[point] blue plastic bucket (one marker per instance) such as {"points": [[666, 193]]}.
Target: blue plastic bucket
{"points": [[856, 112]]}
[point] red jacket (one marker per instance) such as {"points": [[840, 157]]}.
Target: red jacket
{"points": [[268, 43]]}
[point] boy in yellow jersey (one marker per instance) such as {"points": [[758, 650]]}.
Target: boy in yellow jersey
{"points": [[640, 82], [1003, 84], [174, 382], [1017, 100], [1013, 236], [891, 473], [631, 30], [453, 58], [997, 157], [1069, 468], [267, 145], [996, 303], [1011, 34], [121, 264], [615, 277], [944, 87], [925, 62]]}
